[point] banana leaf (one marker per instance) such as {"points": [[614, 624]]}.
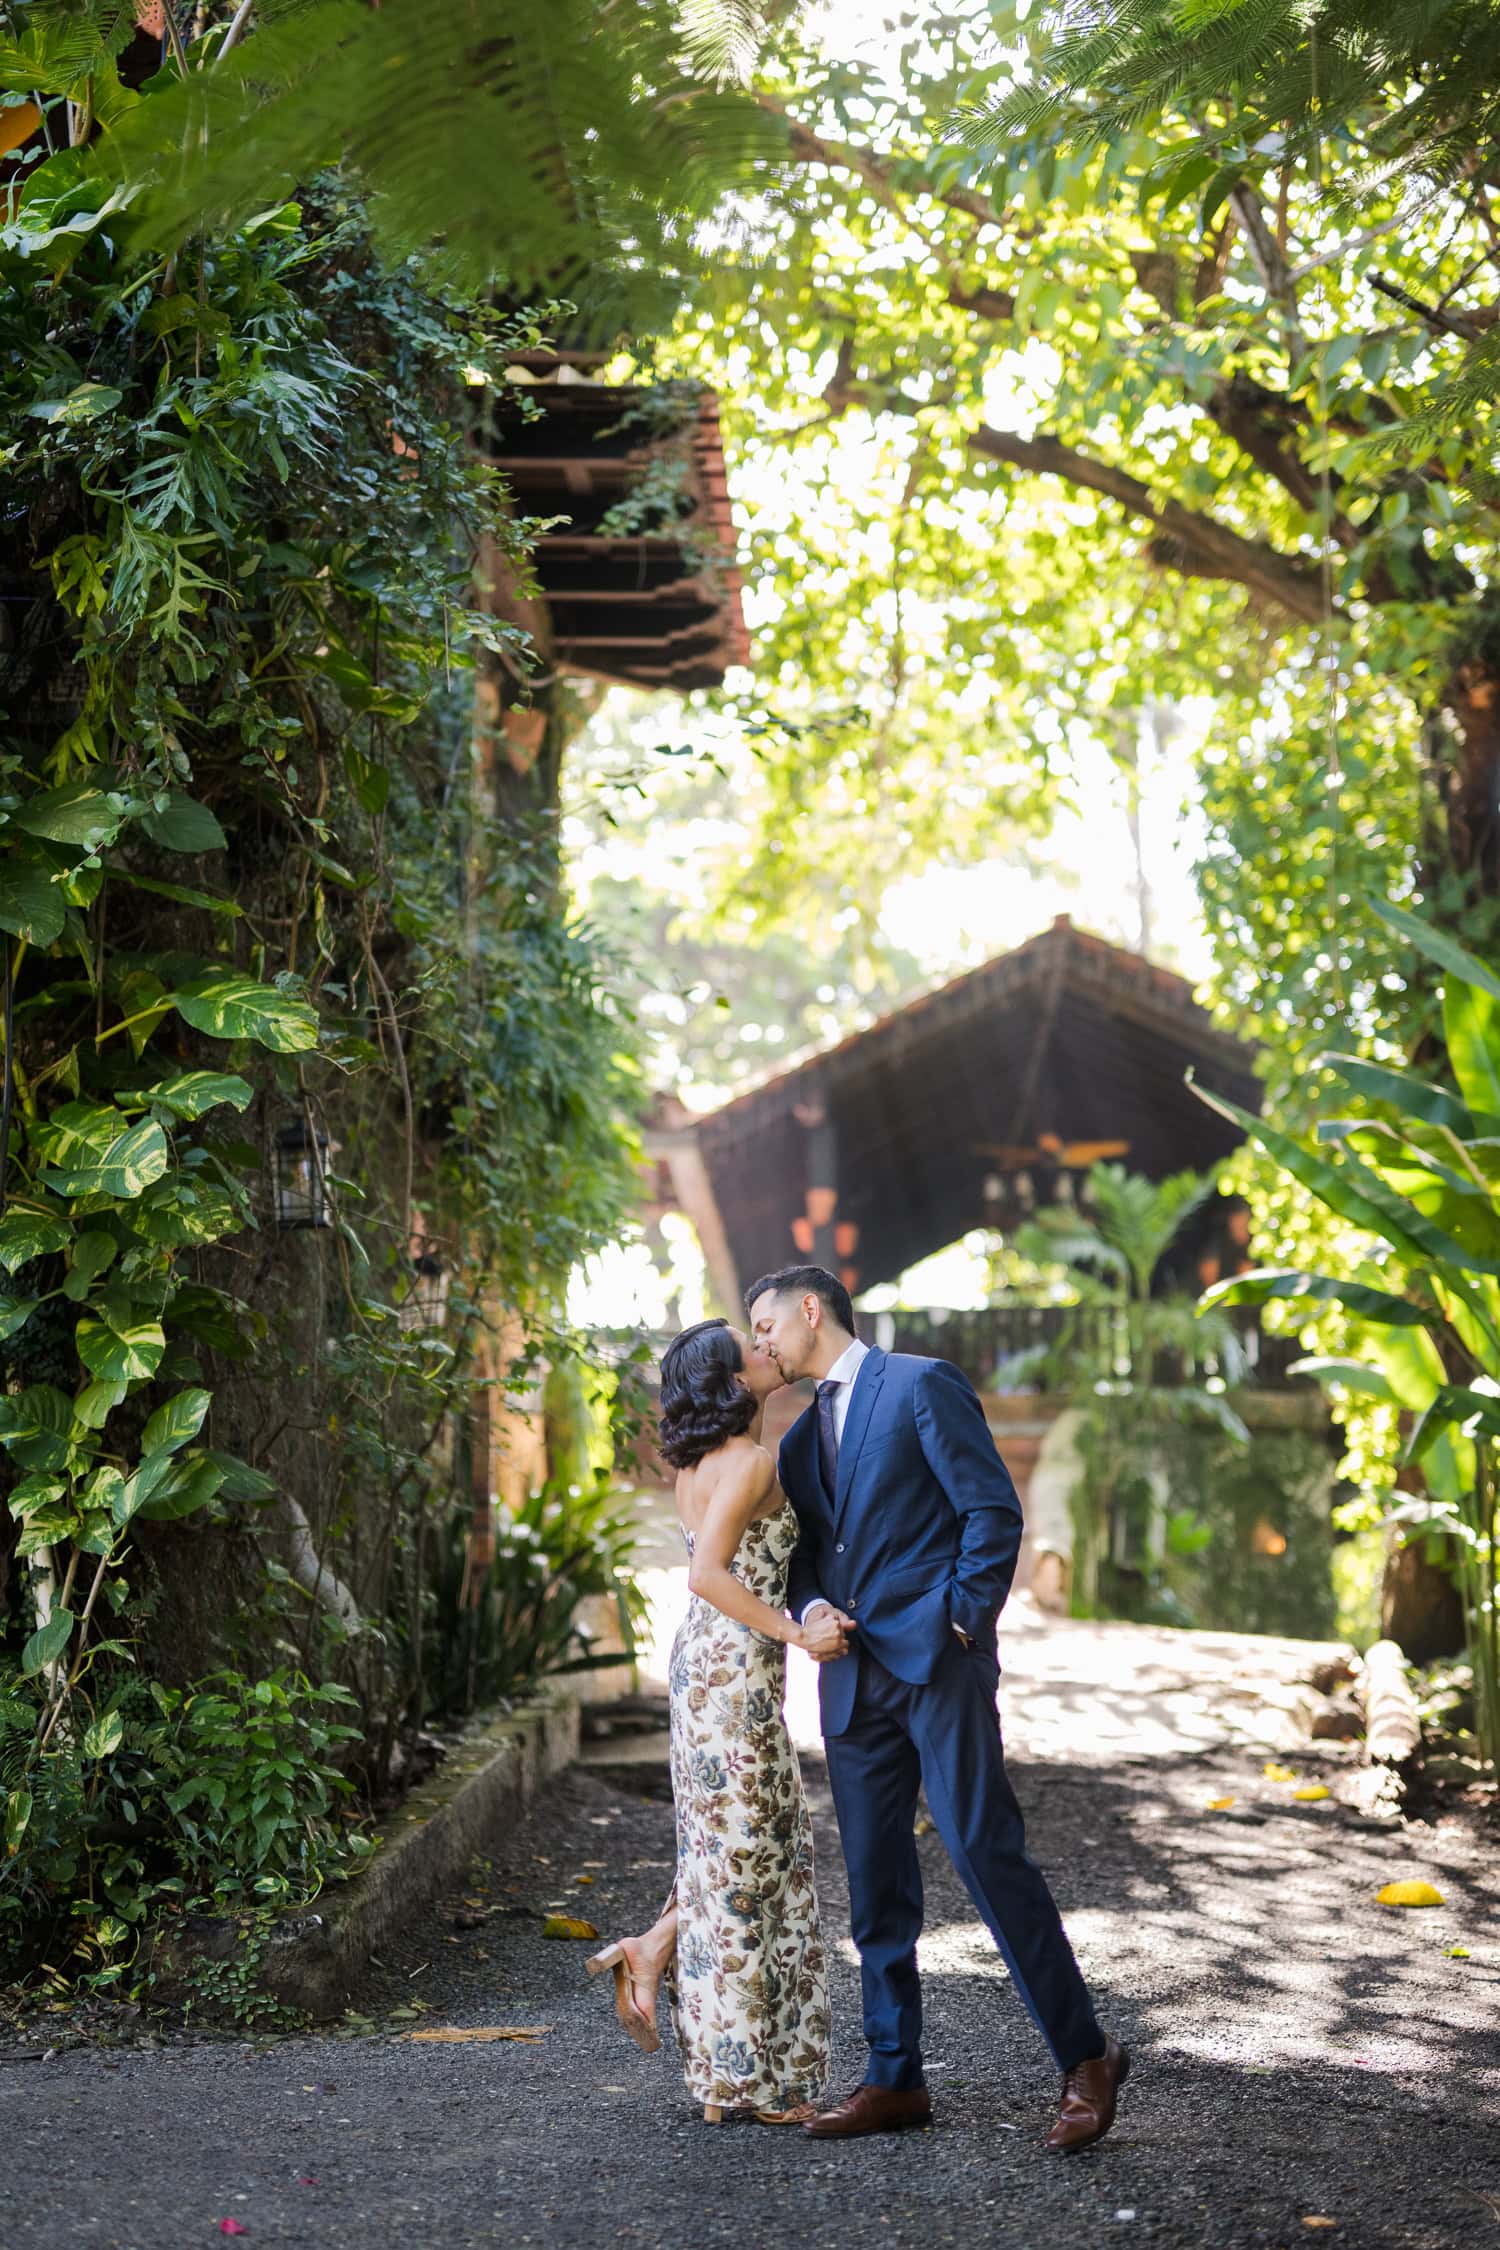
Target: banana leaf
{"points": [[1446, 951], [1267, 1282], [1402, 1090]]}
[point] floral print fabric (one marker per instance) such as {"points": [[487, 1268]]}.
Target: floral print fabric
{"points": [[750, 1982]]}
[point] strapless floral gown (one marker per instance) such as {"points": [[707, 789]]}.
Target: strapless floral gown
{"points": [[749, 1985]]}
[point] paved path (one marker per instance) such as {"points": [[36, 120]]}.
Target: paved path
{"points": [[1304, 2056]]}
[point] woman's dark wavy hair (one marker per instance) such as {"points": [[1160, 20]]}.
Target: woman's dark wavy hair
{"points": [[701, 1403]]}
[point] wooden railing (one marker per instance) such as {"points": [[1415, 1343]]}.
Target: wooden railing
{"points": [[988, 1343]]}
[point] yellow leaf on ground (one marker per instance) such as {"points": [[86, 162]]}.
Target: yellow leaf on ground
{"points": [[1220, 1804], [1317, 2220], [450, 2034], [1415, 1893], [567, 1926], [1456, 1952], [1278, 1773], [1313, 1794]]}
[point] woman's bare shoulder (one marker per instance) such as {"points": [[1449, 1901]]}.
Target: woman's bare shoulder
{"points": [[735, 1461], [739, 1458]]}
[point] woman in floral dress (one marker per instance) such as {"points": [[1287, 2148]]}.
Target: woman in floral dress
{"points": [[738, 1943]]}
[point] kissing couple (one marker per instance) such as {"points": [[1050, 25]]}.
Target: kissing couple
{"points": [[883, 1541]]}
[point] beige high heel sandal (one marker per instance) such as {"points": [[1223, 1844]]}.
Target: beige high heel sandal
{"points": [[637, 2018]]}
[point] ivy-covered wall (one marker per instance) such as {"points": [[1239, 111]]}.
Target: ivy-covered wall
{"points": [[256, 889]]}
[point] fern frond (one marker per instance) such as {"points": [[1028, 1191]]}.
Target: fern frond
{"points": [[550, 145]]}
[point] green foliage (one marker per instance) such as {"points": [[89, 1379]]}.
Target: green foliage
{"points": [[1043, 453], [1248, 1546], [517, 1619], [218, 1797], [1414, 1166], [1257, 80], [243, 511], [537, 146], [1379, 105], [1136, 1366]]}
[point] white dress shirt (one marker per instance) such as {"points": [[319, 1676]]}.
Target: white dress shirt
{"points": [[843, 1372]]}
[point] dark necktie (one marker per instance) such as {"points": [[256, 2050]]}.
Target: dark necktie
{"points": [[828, 1439]]}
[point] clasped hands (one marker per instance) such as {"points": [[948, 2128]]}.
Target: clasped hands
{"points": [[825, 1632]]}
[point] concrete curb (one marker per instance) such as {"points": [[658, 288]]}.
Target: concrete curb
{"points": [[318, 1958]]}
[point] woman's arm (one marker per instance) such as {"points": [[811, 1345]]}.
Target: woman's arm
{"points": [[741, 1488]]}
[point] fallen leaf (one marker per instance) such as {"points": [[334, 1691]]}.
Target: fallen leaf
{"points": [[232, 2226], [1456, 1952], [583, 1878], [305, 2179], [923, 1827], [1318, 2220], [567, 1926], [1220, 1804], [1312, 1794], [450, 2034], [1278, 1773], [1411, 1893]]}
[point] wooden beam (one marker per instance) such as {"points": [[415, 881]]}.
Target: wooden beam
{"points": [[696, 1199]]}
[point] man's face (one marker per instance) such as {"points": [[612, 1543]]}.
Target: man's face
{"points": [[785, 1329]]}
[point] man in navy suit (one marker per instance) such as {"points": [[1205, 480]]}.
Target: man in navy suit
{"points": [[910, 1531]]}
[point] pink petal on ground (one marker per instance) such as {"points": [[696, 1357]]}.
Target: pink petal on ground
{"points": [[232, 2226]]}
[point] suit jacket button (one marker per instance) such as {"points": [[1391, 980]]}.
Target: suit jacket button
{"points": [[838, 1550]]}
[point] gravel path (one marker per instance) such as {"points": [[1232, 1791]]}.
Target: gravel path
{"points": [[1303, 2055]]}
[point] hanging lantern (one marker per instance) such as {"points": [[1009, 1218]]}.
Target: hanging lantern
{"points": [[425, 1304], [300, 1157]]}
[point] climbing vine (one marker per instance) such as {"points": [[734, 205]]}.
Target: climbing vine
{"points": [[250, 904]]}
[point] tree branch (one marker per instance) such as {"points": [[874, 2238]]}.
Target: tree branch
{"points": [[1275, 273], [808, 147], [1257, 420], [1193, 544]]}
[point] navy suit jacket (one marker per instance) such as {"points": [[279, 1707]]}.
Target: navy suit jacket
{"points": [[922, 1533]]}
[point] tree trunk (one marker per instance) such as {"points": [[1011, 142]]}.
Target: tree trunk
{"points": [[1469, 774], [1420, 1606]]}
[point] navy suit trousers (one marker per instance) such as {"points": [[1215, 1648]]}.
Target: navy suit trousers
{"points": [[943, 1736]]}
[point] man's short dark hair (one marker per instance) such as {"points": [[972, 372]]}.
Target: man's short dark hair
{"points": [[805, 1281]]}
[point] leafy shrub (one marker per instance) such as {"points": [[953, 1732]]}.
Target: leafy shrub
{"points": [[222, 1795], [522, 1620]]}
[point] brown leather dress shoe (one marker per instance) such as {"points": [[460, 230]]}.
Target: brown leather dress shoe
{"points": [[1087, 2110], [872, 2109]]}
